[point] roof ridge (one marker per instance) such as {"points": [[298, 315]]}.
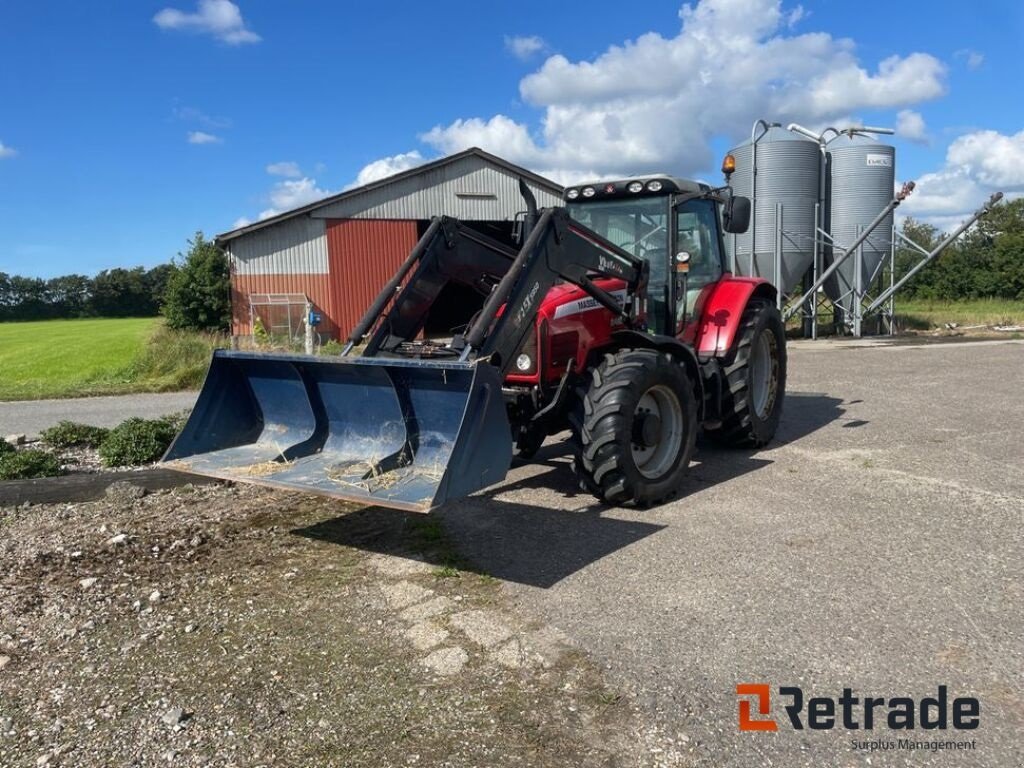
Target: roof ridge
{"points": [[393, 178]]}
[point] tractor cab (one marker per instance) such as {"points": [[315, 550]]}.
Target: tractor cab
{"points": [[672, 224]]}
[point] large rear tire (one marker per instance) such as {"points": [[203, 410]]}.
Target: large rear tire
{"points": [[634, 428], [755, 381]]}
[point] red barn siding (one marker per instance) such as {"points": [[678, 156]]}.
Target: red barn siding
{"points": [[363, 254], [316, 287]]}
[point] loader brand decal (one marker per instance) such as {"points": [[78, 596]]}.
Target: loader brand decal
{"points": [[609, 265], [585, 305], [527, 304], [881, 161], [849, 712]]}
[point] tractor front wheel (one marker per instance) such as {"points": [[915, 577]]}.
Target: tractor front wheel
{"points": [[634, 428]]}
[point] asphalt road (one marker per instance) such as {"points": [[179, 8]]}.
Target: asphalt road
{"points": [[29, 417], [876, 546]]}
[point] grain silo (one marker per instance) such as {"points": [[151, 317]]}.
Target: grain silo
{"points": [[779, 171], [861, 180]]}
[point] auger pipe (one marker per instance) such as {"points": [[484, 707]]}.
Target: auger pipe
{"points": [[852, 248], [984, 210]]}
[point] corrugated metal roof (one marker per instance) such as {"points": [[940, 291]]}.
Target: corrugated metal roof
{"points": [[476, 195], [472, 189]]}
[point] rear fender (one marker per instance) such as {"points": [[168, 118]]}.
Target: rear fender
{"points": [[716, 334], [681, 352]]}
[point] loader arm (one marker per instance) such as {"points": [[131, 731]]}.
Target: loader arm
{"points": [[557, 248]]}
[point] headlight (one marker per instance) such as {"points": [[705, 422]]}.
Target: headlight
{"points": [[588, 191], [572, 194], [524, 363], [654, 186], [635, 186]]}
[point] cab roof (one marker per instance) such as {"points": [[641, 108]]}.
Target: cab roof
{"points": [[608, 188]]}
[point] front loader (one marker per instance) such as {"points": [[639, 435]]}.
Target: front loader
{"points": [[615, 319]]}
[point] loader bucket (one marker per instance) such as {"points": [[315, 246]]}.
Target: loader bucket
{"points": [[407, 434]]}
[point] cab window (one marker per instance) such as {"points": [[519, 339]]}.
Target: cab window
{"points": [[697, 235]]}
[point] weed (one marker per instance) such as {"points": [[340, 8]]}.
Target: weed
{"points": [[30, 463], [331, 347], [448, 571], [137, 441], [174, 360], [67, 434]]}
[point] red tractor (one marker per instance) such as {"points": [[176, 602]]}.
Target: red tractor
{"points": [[616, 318]]}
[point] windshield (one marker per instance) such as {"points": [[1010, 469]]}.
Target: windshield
{"points": [[639, 226]]}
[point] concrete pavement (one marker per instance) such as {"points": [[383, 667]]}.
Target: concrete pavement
{"points": [[876, 546], [29, 417]]}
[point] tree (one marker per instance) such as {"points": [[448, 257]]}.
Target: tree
{"points": [[69, 295], [156, 281], [122, 293], [198, 293]]}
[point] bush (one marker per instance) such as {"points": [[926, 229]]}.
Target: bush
{"points": [[198, 294], [70, 433], [30, 463], [331, 347], [5, 447], [137, 441]]}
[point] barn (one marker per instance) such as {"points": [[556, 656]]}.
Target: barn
{"points": [[337, 253]]}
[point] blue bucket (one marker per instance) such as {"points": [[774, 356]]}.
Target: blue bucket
{"points": [[406, 434]]}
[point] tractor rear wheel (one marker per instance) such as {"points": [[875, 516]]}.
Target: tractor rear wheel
{"points": [[755, 381], [634, 427]]}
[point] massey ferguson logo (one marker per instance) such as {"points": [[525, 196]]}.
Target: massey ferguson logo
{"points": [[849, 712], [527, 304]]}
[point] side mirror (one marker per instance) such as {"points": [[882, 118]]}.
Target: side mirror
{"points": [[736, 216]]}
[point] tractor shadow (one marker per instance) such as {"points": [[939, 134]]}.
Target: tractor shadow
{"points": [[538, 527]]}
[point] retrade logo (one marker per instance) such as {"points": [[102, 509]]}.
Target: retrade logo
{"points": [[849, 712], [762, 695]]}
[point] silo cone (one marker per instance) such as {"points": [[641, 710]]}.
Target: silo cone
{"points": [[396, 433]]}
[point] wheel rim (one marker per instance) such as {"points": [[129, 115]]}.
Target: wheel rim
{"points": [[764, 374], [658, 431]]}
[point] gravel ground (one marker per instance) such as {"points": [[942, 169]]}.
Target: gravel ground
{"points": [[30, 417], [221, 625]]}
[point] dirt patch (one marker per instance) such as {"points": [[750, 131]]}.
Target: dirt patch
{"points": [[233, 625]]}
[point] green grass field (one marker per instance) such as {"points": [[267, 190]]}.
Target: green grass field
{"points": [[919, 314], [71, 358]]}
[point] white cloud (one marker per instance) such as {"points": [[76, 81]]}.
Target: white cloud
{"points": [[287, 169], [6, 151], [240, 222], [973, 59], [910, 125], [201, 137], [387, 166], [293, 194], [977, 164], [220, 18], [525, 47], [795, 15], [656, 103]]}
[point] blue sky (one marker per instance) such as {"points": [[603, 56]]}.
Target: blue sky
{"points": [[125, 127]]}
